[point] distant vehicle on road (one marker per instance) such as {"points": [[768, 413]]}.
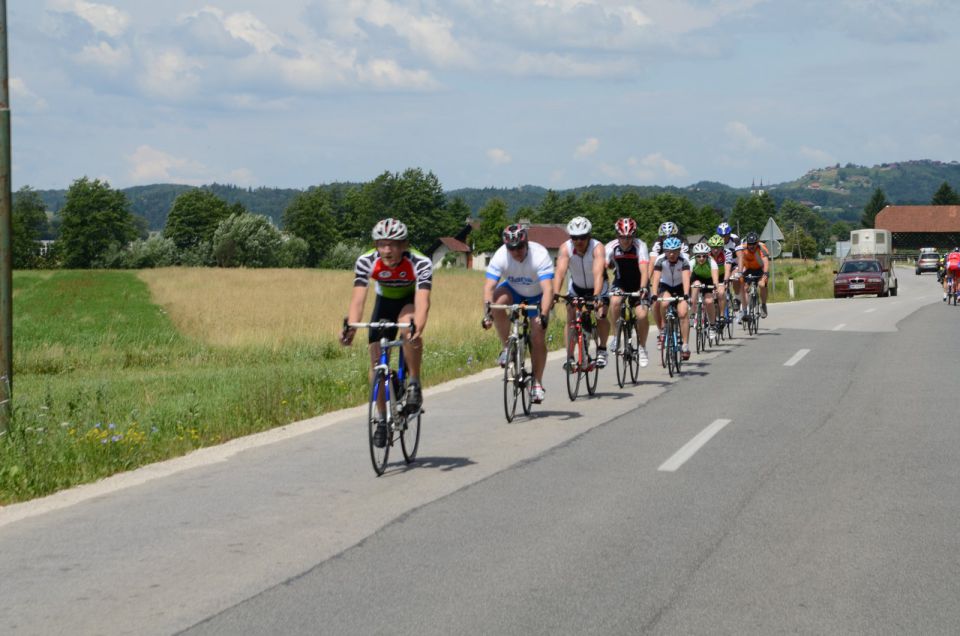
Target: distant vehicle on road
{"points": [[927, 261], [864, 276]]}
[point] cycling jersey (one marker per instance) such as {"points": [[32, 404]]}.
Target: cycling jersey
{"points": [[627, 263], [671, 274], [703, 270], [413, 272], [752, 260], [952, 262], [580, 268], [522, 276]]}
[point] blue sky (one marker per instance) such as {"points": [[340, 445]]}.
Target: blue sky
{"points": [[557, 93]]}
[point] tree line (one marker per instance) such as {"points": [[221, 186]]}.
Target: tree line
{"points": [[329, 226]]}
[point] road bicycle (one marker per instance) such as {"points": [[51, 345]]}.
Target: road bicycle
{"points": [[701, 320], [387, 405], [582, 347], [728, 312], [751, 316], [517, 373], [671, 353], [628, 339]]}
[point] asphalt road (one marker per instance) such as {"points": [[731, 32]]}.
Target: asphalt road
{"points": [[800, 481]]}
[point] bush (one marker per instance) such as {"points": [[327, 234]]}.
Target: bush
{"points": [[343, 256], [294, 252], [246, 240], [200, 255]]}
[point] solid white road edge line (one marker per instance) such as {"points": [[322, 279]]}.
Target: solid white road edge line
{"points": [[797, 357], [679, 458]]}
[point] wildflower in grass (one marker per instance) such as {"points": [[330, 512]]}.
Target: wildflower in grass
{"points": [[154, 429], [116, 438], [104, 441], [111, 426]]}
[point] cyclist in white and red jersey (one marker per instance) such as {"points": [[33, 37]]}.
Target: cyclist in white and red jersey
{"points": [[584, 257], [951, 270], [628, 257], [521, 271], [403, 279]]}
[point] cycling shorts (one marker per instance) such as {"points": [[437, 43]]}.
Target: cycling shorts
{"points": [[587, 292], [517, 299], [386, 309], [673, 290], [753, 274], [702, 281]]}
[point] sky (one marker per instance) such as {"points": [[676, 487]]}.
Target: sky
{"points": [[501, 93]]}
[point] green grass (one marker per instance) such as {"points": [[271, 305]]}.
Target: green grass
{"points": [[104, 383], [811, 279]]}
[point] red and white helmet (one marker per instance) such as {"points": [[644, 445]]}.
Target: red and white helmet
{"points": [[514, 235], [389, 230], [626, 227]]}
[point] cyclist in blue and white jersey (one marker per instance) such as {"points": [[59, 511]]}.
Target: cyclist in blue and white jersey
{"points": [[403, 278], [731, 242], [584, 257], [671, 278], [628, 257], [521, 271], [666, 230]]}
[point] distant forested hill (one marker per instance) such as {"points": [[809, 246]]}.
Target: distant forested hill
{"points": [[841, 192]]}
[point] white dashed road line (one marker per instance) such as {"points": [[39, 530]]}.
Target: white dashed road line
{"points": [[797, 357], [839, 327], [679, 458], [870, 311]]}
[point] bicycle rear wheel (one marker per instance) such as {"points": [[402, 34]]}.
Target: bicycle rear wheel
{"points": [[378, 456], [575, 361], [510, 372], [591, 347], [701, 331], [668, 347]]}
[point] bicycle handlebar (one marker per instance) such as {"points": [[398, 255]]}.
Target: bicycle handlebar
{"points": [[382, 324], [514, 307], [579, 301]]}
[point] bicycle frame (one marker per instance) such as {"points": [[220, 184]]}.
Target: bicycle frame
{"points": [[672, 343], [517, 379]]}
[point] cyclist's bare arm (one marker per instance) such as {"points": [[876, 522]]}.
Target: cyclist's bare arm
{"points": [[599, 254], [547, 302], [421, 309], [560, 271], [355, 312]]}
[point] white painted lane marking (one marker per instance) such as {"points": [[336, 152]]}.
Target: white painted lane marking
{"points": [[871, 310], [839, 327], [797, 357], [679, 458]]}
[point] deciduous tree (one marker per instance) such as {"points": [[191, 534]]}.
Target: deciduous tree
{"points": [[94, 216], [194, 217], [29, 221]]}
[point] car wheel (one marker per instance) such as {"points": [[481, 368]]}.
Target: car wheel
{"points": [[893, 291]]}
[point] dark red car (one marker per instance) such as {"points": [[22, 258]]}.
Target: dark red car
{"points": [[861, 276]]}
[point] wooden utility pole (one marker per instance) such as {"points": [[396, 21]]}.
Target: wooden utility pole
{"points": [[6, 232]]}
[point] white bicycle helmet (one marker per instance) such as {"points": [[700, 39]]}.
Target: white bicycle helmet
{"points": [[668, 228], [701, 248], [389, 230], [579, 226]]}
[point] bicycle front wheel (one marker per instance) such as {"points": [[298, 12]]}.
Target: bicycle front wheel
{"points": [[525, 379], [623, 346], [668, 348], [632, 339], [410, 437], [591, 346], [510, 373], [378, 454], [574, 362]]}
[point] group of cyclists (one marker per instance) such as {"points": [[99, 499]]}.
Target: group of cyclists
{"points": [[522, 271]]}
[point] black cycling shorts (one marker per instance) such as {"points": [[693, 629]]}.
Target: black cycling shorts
{"points": [[386, 309]]}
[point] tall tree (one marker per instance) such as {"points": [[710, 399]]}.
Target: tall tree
{"points": [[194, 217], [750, 214], [29, 221], [246, 240], [945, 195], [311, 217], [493, 218], [94, 217], [876, 203]]}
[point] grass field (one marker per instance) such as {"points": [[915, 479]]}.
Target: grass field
{"points": [[114, 370]]}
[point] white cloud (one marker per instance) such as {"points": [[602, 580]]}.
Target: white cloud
{"points": [[655, 166], [170, 74], [247, 27], [611, 172], [106, 56], [22, 94], [587, 148], [744, 138], [499, 156], [819, 157], [102, 17], [149, 165]]}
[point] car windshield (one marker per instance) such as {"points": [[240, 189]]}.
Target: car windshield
{"points": [[926, 257], [860, 266]]}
